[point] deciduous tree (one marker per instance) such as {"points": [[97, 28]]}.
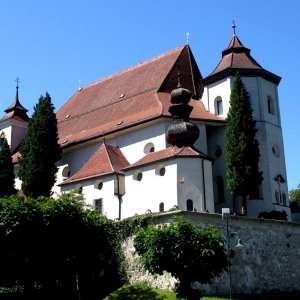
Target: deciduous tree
{"points": [[189, 253]]}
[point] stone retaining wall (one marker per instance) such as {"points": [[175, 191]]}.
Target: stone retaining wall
{"points": [[270, 261]]}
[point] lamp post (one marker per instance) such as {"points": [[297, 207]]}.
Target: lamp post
{"points": [[226, 217]]}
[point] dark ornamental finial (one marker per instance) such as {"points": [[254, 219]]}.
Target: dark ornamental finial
{"points": [[233, 27]]}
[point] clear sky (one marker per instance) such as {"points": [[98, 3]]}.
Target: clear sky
{"points": [[52, 45]]}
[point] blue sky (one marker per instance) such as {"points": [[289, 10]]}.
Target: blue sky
{"points": [[52, 45]]}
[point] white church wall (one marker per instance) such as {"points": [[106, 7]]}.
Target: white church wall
{"points": [[17, 133], [76, 158], [132, 144], [151, 190], [190, 177], [214, 91], [96, 189]]}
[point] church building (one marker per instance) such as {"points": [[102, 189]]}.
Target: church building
{"points": [[152, 137]]}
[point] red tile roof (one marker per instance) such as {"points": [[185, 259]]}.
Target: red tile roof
{"points": [[130, 97], [168, 153], [237, 58], [106, 160]]}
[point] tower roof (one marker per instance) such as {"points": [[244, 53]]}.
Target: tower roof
{"points": [[237, 58], [16, 110]]}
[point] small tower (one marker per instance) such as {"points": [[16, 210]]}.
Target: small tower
{"points": [[261, 86], [14, 123]]}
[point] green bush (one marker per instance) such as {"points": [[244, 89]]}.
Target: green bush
{"points": [[135, 292]]}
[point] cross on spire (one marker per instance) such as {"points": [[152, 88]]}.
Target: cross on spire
{"points": [[17, 81], [233, 27]]}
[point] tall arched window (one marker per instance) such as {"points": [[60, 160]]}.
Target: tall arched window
{"points": [[220, 189], [219, 106], [189, 205], [270, 105], [161, 207]]}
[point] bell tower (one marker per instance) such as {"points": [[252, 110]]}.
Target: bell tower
{"points": [[14, 123]]}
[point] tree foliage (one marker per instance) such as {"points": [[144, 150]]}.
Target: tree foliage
{"points": [[295, 197], [58, 247], [7, 175], [40, 151], [242, 151], [189, 253]]}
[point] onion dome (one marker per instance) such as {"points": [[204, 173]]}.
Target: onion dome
{"points": [[181, 132]]}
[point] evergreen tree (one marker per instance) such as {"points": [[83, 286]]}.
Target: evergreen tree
{"points": [[242, 152], [7, 175], [40, 150]]}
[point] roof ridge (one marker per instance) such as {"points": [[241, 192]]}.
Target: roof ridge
{"points": [[134, 67]]}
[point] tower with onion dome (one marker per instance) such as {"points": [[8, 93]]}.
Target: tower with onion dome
{"points": [[261, 86], [14, 123]]}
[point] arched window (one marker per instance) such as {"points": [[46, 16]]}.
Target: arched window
{"points": [[98, 185], [138, 175], [284, 198], [160, 170], [149, 147], [78, 189], [219, 106], [277, 197], [66, 172], [270, 105], [220, 189], [161, 207], [189, 205]]}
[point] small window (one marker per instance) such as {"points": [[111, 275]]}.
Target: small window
{"points": [[277, 197], [149, 148], [220, 189], [98, 205], [248, 97], [138, 175], [98, 185], [283, 198], [189, 205], [161, 207], [276, 150], [78, 189], [218, 151], [270, 105], [160, 170], [66, 172], [219, 106]]}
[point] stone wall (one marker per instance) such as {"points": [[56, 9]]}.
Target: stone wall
{"points": [[270, 261]]}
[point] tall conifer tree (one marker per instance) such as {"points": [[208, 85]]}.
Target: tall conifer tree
{"points": [[7, 175], [40, 151], [242, 151]]}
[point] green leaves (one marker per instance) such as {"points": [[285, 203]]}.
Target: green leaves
{"points": [[189, 253], [7, 176]]}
